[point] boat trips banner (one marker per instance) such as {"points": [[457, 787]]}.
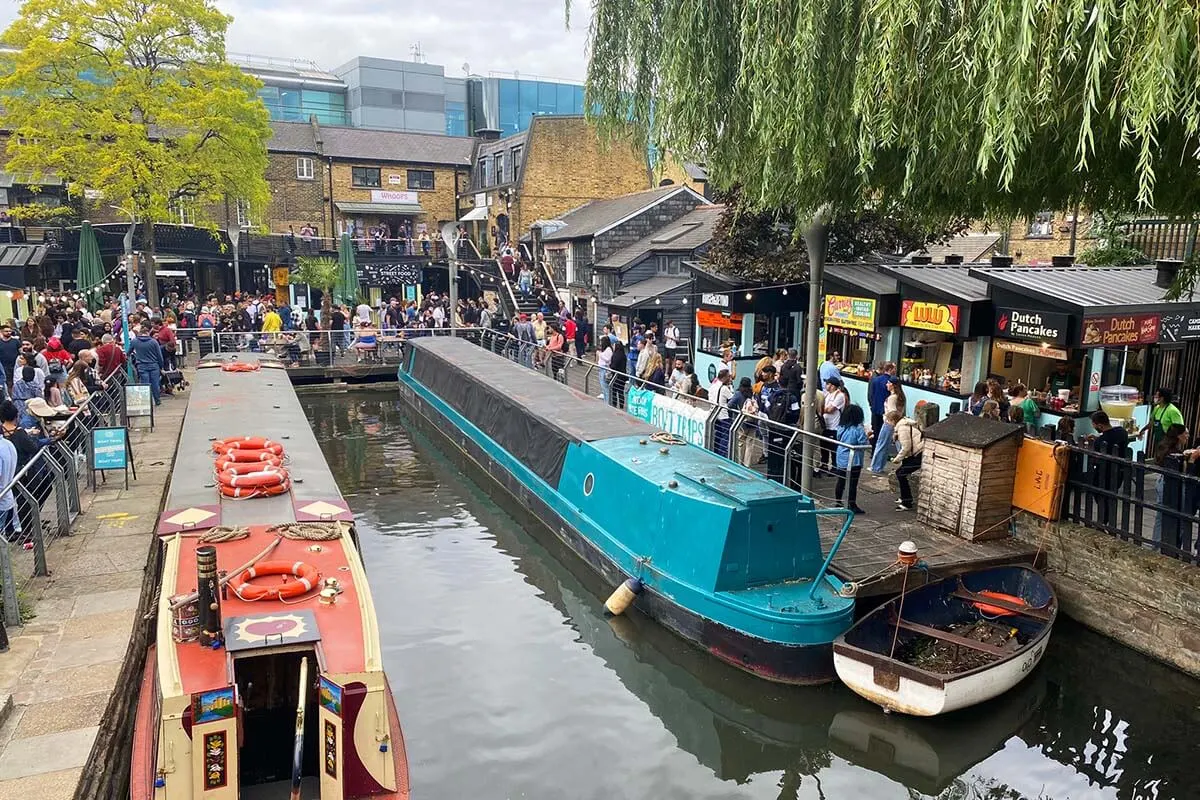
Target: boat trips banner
{"points": [[668, 414]]}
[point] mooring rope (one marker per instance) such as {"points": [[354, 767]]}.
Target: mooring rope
{"points": [[223, 533], [309, 531], [662, 437]]}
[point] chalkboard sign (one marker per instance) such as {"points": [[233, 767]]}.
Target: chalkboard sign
{"points": [[110, 448]]}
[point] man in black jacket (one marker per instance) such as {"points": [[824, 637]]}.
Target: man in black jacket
{"points": [[791, 375]]}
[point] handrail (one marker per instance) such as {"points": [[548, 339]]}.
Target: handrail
{"points": [[829, 512]]}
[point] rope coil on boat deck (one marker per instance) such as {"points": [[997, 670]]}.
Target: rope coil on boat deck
{"points": [[662, 437]]}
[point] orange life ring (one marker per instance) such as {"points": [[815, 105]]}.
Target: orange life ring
{"points": [[244, 443], [221, 448], [248, 492], [242, 456], [240, 366], [244, 467], [997, 611], [269, 476], [305, 575]]}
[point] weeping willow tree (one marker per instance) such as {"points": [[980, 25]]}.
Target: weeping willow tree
{"points": [[942, 108]]}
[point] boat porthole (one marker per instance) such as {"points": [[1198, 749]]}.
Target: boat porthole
{"points": [[589, 483]]}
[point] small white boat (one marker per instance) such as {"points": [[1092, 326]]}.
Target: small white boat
{"points": [[949, 644]]}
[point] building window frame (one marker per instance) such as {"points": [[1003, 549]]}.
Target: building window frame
{"points": [[501, 175], [366, 177], [242, 211], [1041, 226], [183, 210], [514, 157], [489, 171], [304, 169], [421, 180]]}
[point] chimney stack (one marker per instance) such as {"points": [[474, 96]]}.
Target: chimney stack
{"points": [[1168, 271], [923, 258], [954, 259], [210, 596], [1062, 261], [487, 134], [1002, 261]]}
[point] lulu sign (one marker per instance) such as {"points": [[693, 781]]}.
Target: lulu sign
{"points": [[850, 312], [1120, 329], [929, 316]]}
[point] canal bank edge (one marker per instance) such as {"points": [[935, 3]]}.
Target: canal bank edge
{"points": [[76, 693], [1120, 590]]}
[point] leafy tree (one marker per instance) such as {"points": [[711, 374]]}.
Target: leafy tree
{"points": [[134, 99], [1113, 248], [989, 109], [764, 246], [321, 272]]}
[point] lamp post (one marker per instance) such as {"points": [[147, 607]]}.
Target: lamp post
{"points": [[130, 270], [235, 235]]}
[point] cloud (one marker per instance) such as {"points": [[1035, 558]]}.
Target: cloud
{"points": [[526, 36]]}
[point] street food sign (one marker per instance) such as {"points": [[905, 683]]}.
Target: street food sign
{"points": [[1120, 330], [1031, 326], [926, 316], [714, 299], [857, 313], [1179, 327]]}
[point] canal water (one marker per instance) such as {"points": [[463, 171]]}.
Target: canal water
{"points": [[512, 684]]}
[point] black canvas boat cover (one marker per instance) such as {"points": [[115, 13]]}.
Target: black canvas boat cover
{"points": [[530, 415]]}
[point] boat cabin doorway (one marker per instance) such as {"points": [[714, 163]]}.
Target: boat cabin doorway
{"points": [[268, 684]]}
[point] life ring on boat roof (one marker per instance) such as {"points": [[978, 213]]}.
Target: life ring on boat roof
{"points": [[247, 443], [242, 456], [224, 462], [240, 366], [245, 467], [249, 492], [305, 575], [262, 477], [998, 611]]}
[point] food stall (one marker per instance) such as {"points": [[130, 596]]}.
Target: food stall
{"points": [[1030, 347], [945, 325], [861, 311], [1120, 331]]}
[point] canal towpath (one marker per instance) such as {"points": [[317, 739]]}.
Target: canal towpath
{"points": [[64, 663]]}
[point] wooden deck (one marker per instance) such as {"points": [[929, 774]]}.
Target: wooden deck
{"points": [[870, 546]]}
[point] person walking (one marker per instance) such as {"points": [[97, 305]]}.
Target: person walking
{"points": [[908, 460], [877, 395], [884, 440], [148, 362], [851, 437], [604, 360], [720, 393], [620, 374], [836, 399]]}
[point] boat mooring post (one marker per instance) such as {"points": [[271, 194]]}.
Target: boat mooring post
{"points": [[207, 583]]}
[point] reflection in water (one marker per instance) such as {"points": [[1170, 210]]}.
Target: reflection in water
{"points": [[512, 683]]}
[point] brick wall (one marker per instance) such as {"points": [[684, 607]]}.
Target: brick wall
{"points": [[1141, 599], [439, 203], [644, 224], [296, 201], [671, 169], [567, 165], [1027, 247]]}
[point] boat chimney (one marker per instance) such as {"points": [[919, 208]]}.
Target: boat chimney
{"points": [[210, 596]]}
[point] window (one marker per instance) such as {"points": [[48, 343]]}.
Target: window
{"points": [[1041, 225], [243, 214], [366, 177], [501, 177], [670, 265], [421, 179], [516, 162], [489, 177], [304, 169], [183, 211]]}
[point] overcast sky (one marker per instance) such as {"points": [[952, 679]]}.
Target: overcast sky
{"points": [[528, 36]]}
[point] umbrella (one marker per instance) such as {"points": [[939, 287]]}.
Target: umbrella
{"points": [[346, 290], [89, 274]]}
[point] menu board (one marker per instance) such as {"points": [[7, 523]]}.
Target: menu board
{"points": [[850, 312]]}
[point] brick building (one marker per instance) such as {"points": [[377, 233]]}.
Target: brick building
{"points": [[558, 164], [608, 232]]}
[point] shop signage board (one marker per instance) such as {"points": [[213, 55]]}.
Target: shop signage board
{"points": [[711, 299], [668, 414], [1031, 326], [392, 196], [1179, 327], [715, 319], [1120, 330], [389, 274], [925, 316], [1025, 348], [850, 312]]}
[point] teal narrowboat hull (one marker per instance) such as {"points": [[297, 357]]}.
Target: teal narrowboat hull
{"points": [[704, 536]]}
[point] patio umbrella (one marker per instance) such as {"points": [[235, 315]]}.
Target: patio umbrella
{"points": [[346, 290], [89, 273]]}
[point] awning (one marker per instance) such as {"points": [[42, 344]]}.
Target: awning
{"points": [[475, 214], [643, 292], [379, 208]]}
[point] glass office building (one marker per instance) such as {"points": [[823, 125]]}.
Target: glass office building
{"points": [[518, 100], [288, 104]]}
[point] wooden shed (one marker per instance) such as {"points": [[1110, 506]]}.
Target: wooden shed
{"points": [[968, 471]]}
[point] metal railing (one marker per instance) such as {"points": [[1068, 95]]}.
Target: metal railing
{"points": [[45, 492], [753, 441], [294, 348], [1151, 505]]}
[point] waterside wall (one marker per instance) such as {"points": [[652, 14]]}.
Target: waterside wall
{"points": [[1137, 597]]}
